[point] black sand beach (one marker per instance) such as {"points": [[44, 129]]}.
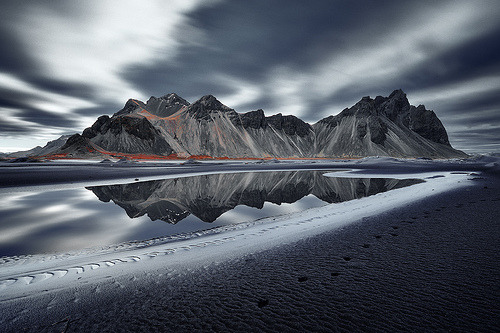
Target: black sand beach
{"points": [[430, 266]]}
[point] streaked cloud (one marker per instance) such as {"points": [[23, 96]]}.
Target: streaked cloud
{"points": [[43, 99], [75, 60], [90, 44], [96, 40]]}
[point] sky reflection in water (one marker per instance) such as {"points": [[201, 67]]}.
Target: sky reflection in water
{"points": [[67, 220]]}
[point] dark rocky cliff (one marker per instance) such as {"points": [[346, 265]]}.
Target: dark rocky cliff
{"points": [[387, 126], [384, 126]]}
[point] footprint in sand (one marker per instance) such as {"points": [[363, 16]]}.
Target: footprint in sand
{"points": [[262, 303], [41, 277], [24, 280], [76, 270], [53, 302], [6, 283], [60, 273], [118, 261], [118, 284], [90, 267]]}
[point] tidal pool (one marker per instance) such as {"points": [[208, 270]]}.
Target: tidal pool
{"points": [[98, 216]]}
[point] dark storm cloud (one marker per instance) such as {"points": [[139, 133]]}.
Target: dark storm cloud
{"points": [[23, 103], [474, 58], [45, 118], [99, 110], [13, 57], [474, 104], [66, 88], [474, 140], [254, 36], [244, 40], [17, 58], [10, 101], [13, 97], [12, 129], [25, 112]]}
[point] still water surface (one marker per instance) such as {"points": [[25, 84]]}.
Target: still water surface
{"points": [[74, 219]]}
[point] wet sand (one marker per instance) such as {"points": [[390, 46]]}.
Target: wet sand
{"points": [[430, 266]]}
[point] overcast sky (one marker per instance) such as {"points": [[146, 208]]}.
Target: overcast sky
{"points": [[64, 63]]}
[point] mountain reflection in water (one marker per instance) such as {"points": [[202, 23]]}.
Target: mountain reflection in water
{"points": [[209, 196]]}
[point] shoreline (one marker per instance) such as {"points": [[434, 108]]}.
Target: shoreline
{"points": [[40, 174]]}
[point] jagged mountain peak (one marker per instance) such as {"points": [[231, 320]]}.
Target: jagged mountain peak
{"points": [[172, 99], [165, 105], [202, 108], [291, 125], [212, 103], [131, 106], [397, 97], [398, 94], [378, 121], [394, 107], [396, 104]]}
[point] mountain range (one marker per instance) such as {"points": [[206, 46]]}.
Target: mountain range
{"points": [[171, 127]]}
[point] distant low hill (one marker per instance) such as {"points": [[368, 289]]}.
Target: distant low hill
{"points": [[170, 126], [48, 149]]}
